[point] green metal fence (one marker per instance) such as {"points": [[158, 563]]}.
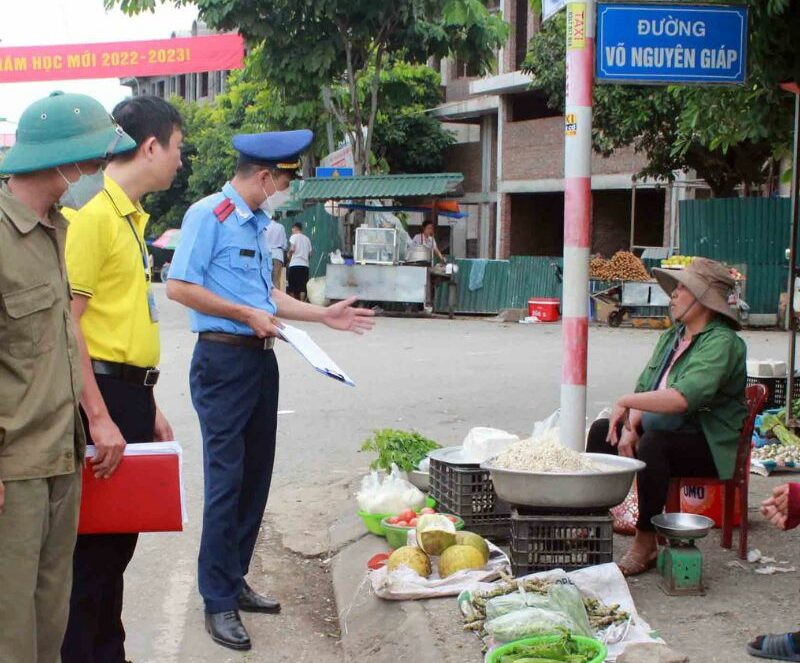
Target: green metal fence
{"points": [[506, 284], [750, 233], [323, 231]]}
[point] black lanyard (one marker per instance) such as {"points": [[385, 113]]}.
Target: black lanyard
{"points": [[142, 250]]}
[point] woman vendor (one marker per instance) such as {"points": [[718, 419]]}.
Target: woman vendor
{"points": [[687, 411]]}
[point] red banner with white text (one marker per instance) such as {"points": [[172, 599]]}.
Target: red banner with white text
{"points": [[160, 57]]}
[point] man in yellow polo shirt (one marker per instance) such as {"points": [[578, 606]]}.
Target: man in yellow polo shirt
{"points": [[109, 271]]}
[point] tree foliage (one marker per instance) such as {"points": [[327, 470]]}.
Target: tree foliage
{"points": [[311, 47], [728, 135], [406, 138]]}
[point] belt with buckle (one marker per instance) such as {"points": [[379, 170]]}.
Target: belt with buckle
{"points": [[147, 377], [239, 339]]}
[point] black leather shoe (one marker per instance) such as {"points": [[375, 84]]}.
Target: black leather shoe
{"points": [[249, 601], [227, 629]]}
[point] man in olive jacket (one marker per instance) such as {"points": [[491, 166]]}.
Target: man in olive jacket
{"points": [[62, 144]]}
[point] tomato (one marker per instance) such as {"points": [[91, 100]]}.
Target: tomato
{"points": [[412, 522], [401, 523], [377, 561], [408, 514], [393, 520], [427, 510], [452, 519]]}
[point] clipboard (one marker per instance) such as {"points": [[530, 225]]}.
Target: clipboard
{"points": [[313, 354]]}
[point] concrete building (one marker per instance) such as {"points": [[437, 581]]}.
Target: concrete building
{"points": [[511, 150], [8, 135], [201, 87]]}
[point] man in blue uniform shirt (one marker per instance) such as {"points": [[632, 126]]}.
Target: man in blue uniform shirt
{"points": [[222, 270]]}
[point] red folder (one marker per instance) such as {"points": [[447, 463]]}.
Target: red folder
{"points": [[143, 495]]}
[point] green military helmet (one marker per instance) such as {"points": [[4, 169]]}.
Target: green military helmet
{"points": [[61, 129]]}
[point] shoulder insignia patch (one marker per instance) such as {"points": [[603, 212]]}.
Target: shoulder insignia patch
{"points": [[224, 210]]}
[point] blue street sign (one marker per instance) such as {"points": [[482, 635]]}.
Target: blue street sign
{"points": [[671, 43], [323, 171]]}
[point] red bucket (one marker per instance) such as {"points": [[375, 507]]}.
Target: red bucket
{"points": [[543, 308]]}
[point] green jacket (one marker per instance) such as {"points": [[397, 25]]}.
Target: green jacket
{"points": [[711, 375]]}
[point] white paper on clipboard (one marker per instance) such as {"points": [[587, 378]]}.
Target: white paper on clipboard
{"points": [[313, 354]]}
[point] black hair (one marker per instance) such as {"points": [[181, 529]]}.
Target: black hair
{"points": [[248, 166], [426, 223], [146, 117], [298, 225]]}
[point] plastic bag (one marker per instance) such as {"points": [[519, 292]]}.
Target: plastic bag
{"points": [[566, 599], [392, 495], [502, 605], [315, 289], [481, 443], [547, 429], [526, 623]]}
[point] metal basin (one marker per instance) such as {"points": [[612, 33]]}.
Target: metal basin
{"points": [[568, 490], [682, 525], [420, 479]]}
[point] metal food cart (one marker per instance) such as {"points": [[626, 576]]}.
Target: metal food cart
{"points": [[379, 271], [636, 299]]}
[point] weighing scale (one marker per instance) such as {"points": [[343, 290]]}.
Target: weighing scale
{"points": [[680, 561]]}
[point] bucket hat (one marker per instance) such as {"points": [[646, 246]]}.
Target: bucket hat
{"points": [[709, 281], [64, 128]]}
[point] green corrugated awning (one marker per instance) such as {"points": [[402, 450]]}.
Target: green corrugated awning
{"points": [[441, 185]]}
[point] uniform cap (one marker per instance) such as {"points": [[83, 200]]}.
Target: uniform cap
{"points": [[277, 149]]}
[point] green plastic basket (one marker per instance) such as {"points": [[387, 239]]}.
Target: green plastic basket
{"points": [[372, 521], [599, 649], [397, 537]]}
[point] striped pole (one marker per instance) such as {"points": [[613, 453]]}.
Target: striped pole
{"points": [[577, 220]]}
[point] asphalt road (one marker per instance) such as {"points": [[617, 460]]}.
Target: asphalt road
{"points": [[439, 377]]}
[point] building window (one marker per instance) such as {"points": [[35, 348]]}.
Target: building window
{"points": [[530, 106], [203, 85], [182, 86], [521, 32], [161, 89]]}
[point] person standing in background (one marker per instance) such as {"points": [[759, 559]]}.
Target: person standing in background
{"points": [[275, 237], [300, 253]]}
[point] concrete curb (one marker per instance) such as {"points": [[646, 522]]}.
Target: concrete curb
{"points": [[377, 630]]}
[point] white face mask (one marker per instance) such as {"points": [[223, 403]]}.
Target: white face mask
{"points": [[80, 192], [276, 200]]}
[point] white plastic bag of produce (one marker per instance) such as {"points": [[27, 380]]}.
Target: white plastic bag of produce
{"points": [[546, 429], [315, 289], [526, 623], [481, 443], [502, 605], [392, 495]]}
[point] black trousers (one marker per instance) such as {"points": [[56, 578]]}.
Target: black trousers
{"points": [[667, 454], [297, 280], [94, 631]]}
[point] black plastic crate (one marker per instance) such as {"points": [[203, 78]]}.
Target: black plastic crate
{"points": [[465, 491], [495, 528], [562, 541], [776, 388]]}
